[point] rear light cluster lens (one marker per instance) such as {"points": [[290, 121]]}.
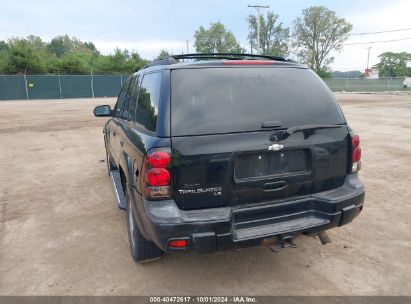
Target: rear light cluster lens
{"points": [[356, 153], [158, 177], [159, 159], [179, 243], [155, 181]]}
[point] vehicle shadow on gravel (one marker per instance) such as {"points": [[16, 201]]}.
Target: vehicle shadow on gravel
{"points": [[243, 270]]}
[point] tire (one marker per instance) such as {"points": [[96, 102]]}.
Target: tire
{"points": [[141, 250]]}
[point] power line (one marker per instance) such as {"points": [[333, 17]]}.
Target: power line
{"points": [[380, 41], [380, 32]]}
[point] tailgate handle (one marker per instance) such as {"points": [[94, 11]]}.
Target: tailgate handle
{"points": [[275, 186]]}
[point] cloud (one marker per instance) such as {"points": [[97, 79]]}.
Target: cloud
{"points": [[394, 15]]}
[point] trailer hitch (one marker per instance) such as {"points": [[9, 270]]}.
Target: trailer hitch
{"points": [[283, 241]]}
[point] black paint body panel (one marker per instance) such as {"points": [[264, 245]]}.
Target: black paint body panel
{"points": [[223, 185]]}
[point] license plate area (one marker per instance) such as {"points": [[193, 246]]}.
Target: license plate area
{"points": [[256, 165]]}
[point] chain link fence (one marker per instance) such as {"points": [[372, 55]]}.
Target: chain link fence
{"points": [[59, 86], [365, 85], [31, 87]]}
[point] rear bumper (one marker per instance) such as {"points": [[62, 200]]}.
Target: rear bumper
{"points": [[215, 229]]}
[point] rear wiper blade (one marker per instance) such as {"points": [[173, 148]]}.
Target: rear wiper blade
{"points": [[295, 129]]}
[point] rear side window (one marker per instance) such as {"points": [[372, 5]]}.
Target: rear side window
{"points": [[130, 99], [121, 99], [127, 98], [224, 100], [148, 100], [134, 96]]}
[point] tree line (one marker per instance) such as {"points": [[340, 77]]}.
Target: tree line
{"points": [[314, 36], [64, 55]]}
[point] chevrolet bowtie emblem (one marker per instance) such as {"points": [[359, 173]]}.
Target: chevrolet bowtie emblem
{"points": [[275, 147]]}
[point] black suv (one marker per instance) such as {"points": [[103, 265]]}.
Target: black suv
{"points": [[229, 150]]}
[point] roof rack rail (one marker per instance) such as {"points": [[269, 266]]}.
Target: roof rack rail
{"points": [[237, 56], [230, 56]]}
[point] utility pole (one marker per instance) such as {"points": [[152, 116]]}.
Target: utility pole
{"points": [[187, 46], [368, 57], [368, 62], [258, 7]]}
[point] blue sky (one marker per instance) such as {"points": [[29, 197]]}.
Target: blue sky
{"points": [[149, 26]]}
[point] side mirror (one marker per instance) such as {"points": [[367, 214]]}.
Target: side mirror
{"points": [[102, 111]]}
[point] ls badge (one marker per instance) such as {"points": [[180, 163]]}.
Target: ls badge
{"points": [[275, 147]]}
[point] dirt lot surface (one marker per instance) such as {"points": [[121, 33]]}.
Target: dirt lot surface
{"points": [[62, 233]]}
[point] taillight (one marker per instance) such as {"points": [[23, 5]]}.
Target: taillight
{"points": [[356, 153], [156, 177], [178, 243], [159, 159]]}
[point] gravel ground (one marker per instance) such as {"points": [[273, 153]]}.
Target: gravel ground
{"points": [[62, 233]]}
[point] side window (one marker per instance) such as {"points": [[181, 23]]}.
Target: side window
{"points": [[133, 102], [148, 100], [127, 98], [120, 100]]}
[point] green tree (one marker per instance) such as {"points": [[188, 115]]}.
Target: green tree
{"points": [[36, 42], [22, 58], [394, 64], [163, 54], [120, 62], [3, 46], [75, 63], [137, 62], [62, 44], [112, 63], [216, 39], [53, 64], [39, 48], [318, 32], [65, 55], [273, 37], [90, 46]]}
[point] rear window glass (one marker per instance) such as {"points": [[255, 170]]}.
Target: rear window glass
{"points": [[223, 100]]}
